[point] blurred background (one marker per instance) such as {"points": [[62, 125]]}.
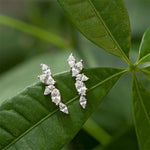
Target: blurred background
{"points": [[35, 31]]}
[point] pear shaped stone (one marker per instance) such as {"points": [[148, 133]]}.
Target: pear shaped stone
{"points": [[82, 90], [55, 92], [79, 65], [56, 100], [71, 60], [63, 108], [48, 89], [75, 72], [46, 69], [83, 101]]}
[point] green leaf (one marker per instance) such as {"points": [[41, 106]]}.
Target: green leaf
{"points": [[104, 22], [141, 108], [30, 120], [146, 72], [144, 55]]}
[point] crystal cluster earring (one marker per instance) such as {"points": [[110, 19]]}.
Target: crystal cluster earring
{"points": [[76, 68], [47, 79]]}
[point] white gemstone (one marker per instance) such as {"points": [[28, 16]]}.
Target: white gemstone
{"points": [[63, 108], [56, 99], [79, 65], [83, 101], [79, 84], [82, 77], [48, 89], [46, 69], [75, 72], [49, 80], [55, 92], [71, 60], [42, 78], [82, 90]]}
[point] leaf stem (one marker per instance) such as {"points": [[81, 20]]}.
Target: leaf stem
{"points": [[97, 132], [34, 31], [140, 60]]}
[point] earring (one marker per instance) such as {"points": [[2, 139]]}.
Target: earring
{"points": [[47, 79], [76, 68]]}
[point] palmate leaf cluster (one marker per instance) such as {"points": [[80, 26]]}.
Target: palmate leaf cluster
{"points": [[31, 116]]}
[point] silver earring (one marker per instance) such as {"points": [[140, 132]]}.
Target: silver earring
{"points": [[76, 68], [47, 79]]}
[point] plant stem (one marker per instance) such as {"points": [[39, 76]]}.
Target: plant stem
{"points": [[97, 132], [33, 30]]}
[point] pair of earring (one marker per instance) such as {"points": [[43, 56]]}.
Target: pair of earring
{"points": [[76, 68]]}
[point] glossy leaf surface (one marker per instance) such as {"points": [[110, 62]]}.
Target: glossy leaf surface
{"points": [[104, 22], [30, 120]]}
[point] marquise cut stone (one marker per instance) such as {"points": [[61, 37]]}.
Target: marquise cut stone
{"points": [[63, 108]]}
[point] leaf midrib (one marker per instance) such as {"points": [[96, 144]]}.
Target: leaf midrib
{"points": [[141, 101], [69, 102], [108, 31]]}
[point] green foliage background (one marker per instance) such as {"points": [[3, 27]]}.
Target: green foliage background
{"points": [[41, 32]]}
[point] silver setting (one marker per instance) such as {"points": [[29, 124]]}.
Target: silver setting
{"points": [[76, 68], [47, 79]]}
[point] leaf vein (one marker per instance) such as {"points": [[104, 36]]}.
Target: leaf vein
{"points": [[56, 110], [106, 28]]}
